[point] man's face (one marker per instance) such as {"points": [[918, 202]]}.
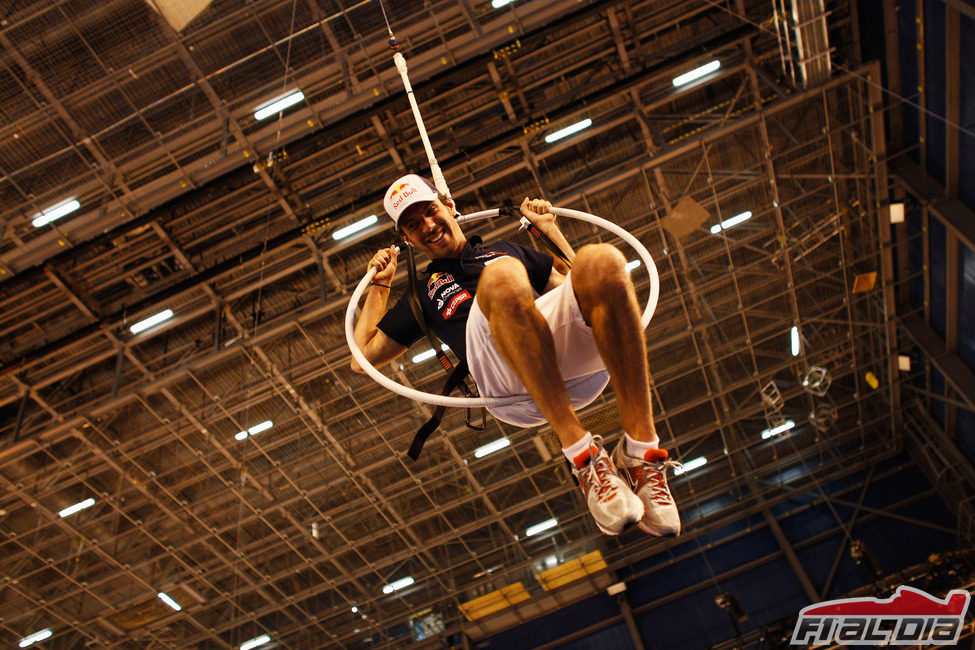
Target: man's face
{"points": [[431, 228]]}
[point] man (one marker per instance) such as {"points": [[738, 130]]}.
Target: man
{"points": [[528, 326]]}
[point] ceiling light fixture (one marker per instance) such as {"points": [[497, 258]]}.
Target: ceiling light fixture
{"points": [[632, 264], [428, 354], [497, 4], [278, 104], [897, 213], [689, 465], [567, 131], [774, 431], [152, 321], [491, 447], [31, 639], [351, 229], [731, 222], [256, 642], [169, 601], [55, 212], [397, 585], [254, 430], [541, 527], [696, 73], [78, 507], [796, 343]]}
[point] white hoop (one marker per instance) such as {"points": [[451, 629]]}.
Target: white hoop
{"points": [[468, 402]]}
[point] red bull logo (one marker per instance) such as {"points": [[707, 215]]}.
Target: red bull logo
{"points": [[399, 193], [436, 281]]}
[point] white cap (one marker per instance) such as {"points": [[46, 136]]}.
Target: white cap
{"points": [[405, 192]]}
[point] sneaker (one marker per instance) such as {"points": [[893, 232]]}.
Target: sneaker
{"points": [[611, 502], [648, 479]]}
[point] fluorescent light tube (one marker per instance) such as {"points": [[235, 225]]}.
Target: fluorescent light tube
{"points": [[541, 527], [569, 130], [423, 356], [351, 229], [774, 431], [152, 321], [428, 354], [263, 426], [696, 73], [31, 639], [169, 601], [689, 465], [255, 642], [78, 507], [254, 430], [497, 4], [731, 222], [491, 447], [397, 585], [795, 342], [55, 212], [278, 104], [632, 264]]}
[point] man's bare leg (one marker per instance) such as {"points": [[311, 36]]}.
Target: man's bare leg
{"points": [[607, 300], [525, 342]]}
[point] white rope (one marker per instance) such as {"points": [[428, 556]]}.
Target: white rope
{"points": [[468, 402], [438, 178]]}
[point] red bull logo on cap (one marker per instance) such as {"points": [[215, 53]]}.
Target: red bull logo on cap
{"points": [[399, 193]]}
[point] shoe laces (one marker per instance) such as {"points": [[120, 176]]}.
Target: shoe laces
{"points": [[654, 474], [599, 473]]}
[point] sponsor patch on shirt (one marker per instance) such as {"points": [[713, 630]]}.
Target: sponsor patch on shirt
{"points": [[446, 293], [490, 254], [436, 281], [454, 303]]}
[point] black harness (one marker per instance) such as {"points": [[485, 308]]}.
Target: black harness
{"points": [[457, 375]]}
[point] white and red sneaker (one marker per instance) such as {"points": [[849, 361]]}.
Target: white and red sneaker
{"points": [[612, 504], [647, 477]]}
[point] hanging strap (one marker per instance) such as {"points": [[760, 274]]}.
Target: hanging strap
{"points": [[456, 375], [454, 379], [414, 299]]}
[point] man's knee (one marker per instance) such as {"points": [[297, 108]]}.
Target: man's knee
{"points": [[504, 284], [599, 267]]}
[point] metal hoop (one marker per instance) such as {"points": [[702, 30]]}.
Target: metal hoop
{"points": [[466, 402]]}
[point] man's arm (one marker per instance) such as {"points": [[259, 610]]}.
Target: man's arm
{"points": [[536, 211], [378, 348], [555, 279]]}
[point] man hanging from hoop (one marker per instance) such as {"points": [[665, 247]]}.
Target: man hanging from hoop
{"points": [[528, 326]]}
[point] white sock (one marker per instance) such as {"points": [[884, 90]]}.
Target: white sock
{"points": [[577, 449], [637, 448]]}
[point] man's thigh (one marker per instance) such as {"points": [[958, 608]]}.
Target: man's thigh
{"points": [[579, 360]]}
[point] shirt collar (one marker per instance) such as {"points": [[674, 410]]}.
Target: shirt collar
{"points": [[444, 264]]}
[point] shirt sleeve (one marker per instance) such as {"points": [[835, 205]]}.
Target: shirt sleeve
{"points": [[398, 323]]}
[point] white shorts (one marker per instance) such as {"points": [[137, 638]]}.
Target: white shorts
{"points": [[582, 368]]}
